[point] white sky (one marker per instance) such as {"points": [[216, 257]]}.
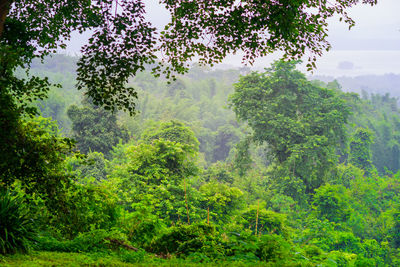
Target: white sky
{"points": [[372, 46]]}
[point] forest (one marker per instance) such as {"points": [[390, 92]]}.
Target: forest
{"points": [[124, 157], [219, 167]]}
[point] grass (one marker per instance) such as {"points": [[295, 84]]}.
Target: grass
{"points": [[60, 259], [55, 259]]}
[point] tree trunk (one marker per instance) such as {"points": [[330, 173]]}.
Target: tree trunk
{"points": [[4, 8]]}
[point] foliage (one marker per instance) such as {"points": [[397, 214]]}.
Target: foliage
{"points": [[273, 248], [225, 139], [346, 175], [332, 202], [17, 229], [268, 222], [395, 231], [95, 129], [36, 156], [255, 28], [90, 241], [90, 168], [84, 208], [185, 239], [301, 123], [222, 200], [379, 116], [174, 131], [360, 152], [218, 172], [141, 226], [123, 42], [242, 157], [156, 175]]}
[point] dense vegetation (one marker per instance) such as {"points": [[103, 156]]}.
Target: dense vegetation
{"points": [[220, 166]]}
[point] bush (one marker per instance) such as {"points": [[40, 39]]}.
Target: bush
{"points": [[184, 240], [340, 259], [332, 202], [85, 207], [93, 241], [269, 222], [16, 227], [314, 253], [242, 246], [140, 226], [273, 248]]}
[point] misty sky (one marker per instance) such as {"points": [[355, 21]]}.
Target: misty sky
{"points": [[371, 47]]}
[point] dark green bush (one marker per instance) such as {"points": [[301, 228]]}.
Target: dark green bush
{"points": [[16, 228], [267, 221], [93, 241], [242, 246], [340, 259], [85, 207], [140, 226], [273, 248], [365, 262], [183, 240], [332, 202], [314, 253]]}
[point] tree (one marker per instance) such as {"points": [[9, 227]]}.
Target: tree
{"points": [[174, 131], [221, 200], [123, 41], [95, 129], [301, 123], [360, 151], [155, 175], [226, 137], [332, 202], [91, 169], [36, 158]]}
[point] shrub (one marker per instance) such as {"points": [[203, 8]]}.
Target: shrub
{"points": [[273, 248], [16, 228], [269, 222], [332, 202], [314, 253], [339, 259], [141, 226], [85, 207], [187, 239], [93, 241], [242, 246]]}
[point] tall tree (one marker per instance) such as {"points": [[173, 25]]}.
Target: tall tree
{"points": [[155, 173], [174, 131], [301, 123], [95, 129], [360, 149]]}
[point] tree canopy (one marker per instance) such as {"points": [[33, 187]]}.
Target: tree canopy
{"points": [[124, 41], [95, 129], [301, 123]]}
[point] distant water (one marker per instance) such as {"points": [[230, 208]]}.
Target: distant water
{"points": [[359, 62], [366, 62]]}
